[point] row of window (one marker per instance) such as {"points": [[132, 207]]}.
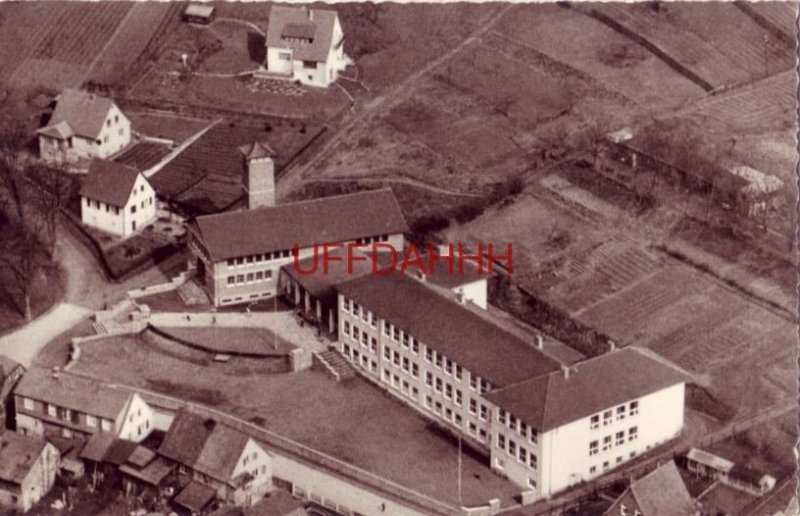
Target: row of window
{"points": [[454, 417], [607, 464], [517, 450], [67, 415], [361, 337], [618, 440], [517, 425], [250, 277], [621, 413], [259, 258], [351, 307]]}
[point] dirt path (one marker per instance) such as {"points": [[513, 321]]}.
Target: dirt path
{"points": [[292, 177], [397, 180]]}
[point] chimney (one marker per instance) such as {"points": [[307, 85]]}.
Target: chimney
{"points": [[55, 372], [259, 175], [310, 15], [460, 296], [611, 345], [539, 342], [566, 371]]}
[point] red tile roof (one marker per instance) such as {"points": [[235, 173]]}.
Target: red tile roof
{"points": [[339, 218], [552, 400], [109, 182], [462, 333]]}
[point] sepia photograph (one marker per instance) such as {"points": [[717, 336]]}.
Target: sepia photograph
{"points": [[357, 258]]}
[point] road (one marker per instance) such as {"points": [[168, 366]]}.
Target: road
{"points": [[86, 290], [292, 177]]}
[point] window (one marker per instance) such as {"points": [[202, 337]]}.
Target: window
{"points": [[593, 470], [345, 327], [415, 346], [105, 425], [522, 456], [623, 510], [267, 275], [619, 439], [606, 442], [472, 428], [373, 344], [310, 64], [605, 465], [364, 339], [593, 448], [484, 413], [396, 359], [448, 413], [448, 391], [619, 459], [448, 366], [66, 432], [621, 413], [428, 378], [387, 329], [534, 435], [437, 360], [405, 340], [240, 278], [532, 461], [633, 433], [356, 333], [108, 123], [473, 406], [414, 370], [634, 408], [428, 401], [395, 333], [501, 416], [285, 56], [512, 422], [27, 403], [512, 447], [532, 483], [608, 417], [501, 441], [133, 209], [458, 398], [51, 410], [429, 354], [116, 119], [438, 386], [250, 277], [594, 422], [458, 372], [406, 364], [345, 302], [473, 382], [482, 434]]}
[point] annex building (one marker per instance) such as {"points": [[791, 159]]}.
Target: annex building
{"points": [[237, 255], [545, 425]]}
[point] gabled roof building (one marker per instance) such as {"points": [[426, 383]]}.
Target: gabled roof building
{"points": [[83, 125], [28, 467], [305, 45], [659, 493]]}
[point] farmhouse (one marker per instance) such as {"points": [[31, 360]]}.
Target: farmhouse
{"points": [[83, 125], [659, 493], [305, 45], [237, 256], [545, 425], [58, 405], [218, 461], [28, 468], [116, 198]]}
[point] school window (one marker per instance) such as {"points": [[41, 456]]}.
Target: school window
{"points": [[250, 277], [387, 329], [634, 408], [619, 459], [458, 372], [105, 425], [405, 340], [592, 470], [133, 208], [364, 338], [532, 461], [593, 448], [534, 435], [501, 441], [620, 413], [607, 417], [414, 370], [395, 333], [396, 359], [415, 346], [345, 302], [512, 447], [429, 354], [356, 333], [484, 413], [437, 360], [458, 397], [457, 419], [532, 483], [240, 278], [633, 433], [473, 406], [51, 410], [428, 401], [406, 364], [28, 403], [448, 413], [448, 391], [522, 455], [594, 422], [448, 366], [472, 428], [605, 465], [438, 386], [512, 422], [438, 407], [373, 344], [482, 434], [386, 375], [473, 382], [620, 439], [346, 328], [428, 378], [606, 442], [523, 428], [373, 321]]}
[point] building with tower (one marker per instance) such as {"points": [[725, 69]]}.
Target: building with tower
{"points": [[259, 174]]}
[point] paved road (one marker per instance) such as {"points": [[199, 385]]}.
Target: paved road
{"points": [[86, 291]]}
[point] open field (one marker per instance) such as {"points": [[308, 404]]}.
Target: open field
{"points": [[353, 421], [166, 125]]}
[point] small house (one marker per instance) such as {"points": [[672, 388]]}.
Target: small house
{"points": [[200, 14], [28, 467], [83, 125], [659, 493], [117, 199], [305, 45]]}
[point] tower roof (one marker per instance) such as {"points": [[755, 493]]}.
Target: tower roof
{"points": [[257, 150]]}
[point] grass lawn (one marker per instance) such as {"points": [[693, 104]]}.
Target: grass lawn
{"points": [[172, 127], [353, 421], [236, 340]]}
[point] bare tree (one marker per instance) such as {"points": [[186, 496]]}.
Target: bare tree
{"points": [[23, 256], [15, 166], [52, 186]]}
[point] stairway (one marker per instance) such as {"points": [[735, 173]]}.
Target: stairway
{"points": [[100, 328], [336, 365], [192, 294]]}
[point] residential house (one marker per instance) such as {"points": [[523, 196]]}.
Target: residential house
{"points": [[238, 255], [739, 476], [146, 474], [10, 373], [659, 493], [218, 459], [28, 467], [545, 425], [276, 503], [116, 198], [61, 405], [83, 125], [305, 45], [200, 14]]}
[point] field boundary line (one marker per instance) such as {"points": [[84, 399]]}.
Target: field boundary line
{"points": [[627, 287], [401, 180], [100, 54]]}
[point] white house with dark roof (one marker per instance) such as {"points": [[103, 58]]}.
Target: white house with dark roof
{"points": [[544, 424], [83, 125], [237, 255], [116, 198], [305, 45], [28, 467], [66, 406], [659, 493]]}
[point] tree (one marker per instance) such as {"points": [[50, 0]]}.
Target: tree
{"points": [[16, 163], [52, 186], [23, 256]]}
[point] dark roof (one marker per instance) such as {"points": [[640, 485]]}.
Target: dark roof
{"points": [[339, 218], [153, 474], [141, 456], [109, 182], [440, 270], [204, 445], [143, 155], [72, 392], [97, 446], [302, 23], [83, 112], [552, 400], [195, 497], [321, 284], [18, 454], [461, 332], [663, 493], [276, 503], [257, 150], [119, 452]]}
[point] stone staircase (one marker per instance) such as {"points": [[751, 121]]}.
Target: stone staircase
{"points": [[192, 294], [335, 364]]}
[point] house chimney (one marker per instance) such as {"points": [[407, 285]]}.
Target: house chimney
{"points": [[259, 175], [55, 372], [311, 15], [460, 296], [566, 371], [611, 345], [539, 342]]}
